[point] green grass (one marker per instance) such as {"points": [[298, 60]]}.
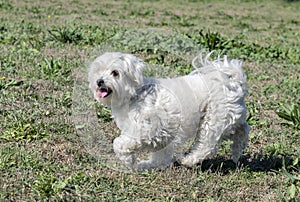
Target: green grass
{"points": [[44, 49]]}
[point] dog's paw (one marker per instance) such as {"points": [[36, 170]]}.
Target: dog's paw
{"points": [[188, 161], [151, 166], [145, 165]]}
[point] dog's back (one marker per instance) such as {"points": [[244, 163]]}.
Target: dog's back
{"points": [[224, 71]]}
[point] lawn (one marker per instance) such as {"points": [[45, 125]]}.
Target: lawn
{"points": [[55, 141]]}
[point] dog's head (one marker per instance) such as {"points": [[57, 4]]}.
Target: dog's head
{"points": [[114, 77]]}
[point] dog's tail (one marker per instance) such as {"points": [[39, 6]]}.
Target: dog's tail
{"points": [[231, 70]]}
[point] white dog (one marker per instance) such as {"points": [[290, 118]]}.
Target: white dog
{"points": [[158, 115]]}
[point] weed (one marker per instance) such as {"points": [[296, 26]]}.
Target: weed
{"points": [[103, 113], [277, 148], [290, 114], [23, 132], [5, 5], [147, 12], [183, 20], [5, 83], [81, 34], [252, 119], [237, 48], [214, 41], [293, 189], [51, 68], [66, 34]]}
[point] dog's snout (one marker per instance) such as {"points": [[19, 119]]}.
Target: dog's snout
{"points": [[100, 82]]}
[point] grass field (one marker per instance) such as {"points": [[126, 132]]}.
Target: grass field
{"points": [[44, 44]]}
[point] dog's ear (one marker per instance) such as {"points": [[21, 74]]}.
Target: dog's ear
{"points": [[134, 67]]}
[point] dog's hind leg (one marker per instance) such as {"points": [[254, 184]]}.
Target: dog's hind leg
{"points": [[240, 140], [203, 147], [160, 159], [207, 139]]}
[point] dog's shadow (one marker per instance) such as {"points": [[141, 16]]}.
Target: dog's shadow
{"points": [[258, 163]]}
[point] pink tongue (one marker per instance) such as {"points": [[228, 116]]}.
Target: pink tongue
{"points": [[101, 94]]}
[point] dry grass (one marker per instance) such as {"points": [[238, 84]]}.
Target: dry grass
{"points": [[45, 156]]}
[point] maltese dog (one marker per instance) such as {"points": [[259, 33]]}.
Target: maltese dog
{"points": [[159, 115]]}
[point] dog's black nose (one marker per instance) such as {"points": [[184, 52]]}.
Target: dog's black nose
{"points": [[100, 82]]}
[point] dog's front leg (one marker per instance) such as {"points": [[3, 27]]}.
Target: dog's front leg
{"points": [[124, 148]]}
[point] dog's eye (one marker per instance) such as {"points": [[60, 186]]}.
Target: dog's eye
{"points": [[115, 73]]}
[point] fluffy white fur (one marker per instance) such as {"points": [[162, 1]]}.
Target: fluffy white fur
{"points": [[157, 115]]}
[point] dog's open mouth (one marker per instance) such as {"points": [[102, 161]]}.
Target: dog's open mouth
{"points": [[103, 92]]}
